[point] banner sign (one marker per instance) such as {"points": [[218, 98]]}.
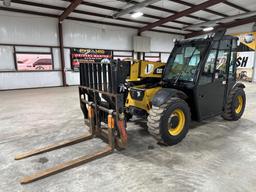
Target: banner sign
{"points": [[245, 59], [246, 55], [34, 61], [79, 55]]}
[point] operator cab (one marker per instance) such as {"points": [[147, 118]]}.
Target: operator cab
{"points": [[204, 69]]}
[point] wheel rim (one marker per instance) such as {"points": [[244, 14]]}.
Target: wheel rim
{"points": [[239, 107], [176, 122]]}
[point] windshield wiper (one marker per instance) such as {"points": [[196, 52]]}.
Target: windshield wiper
{"points": [[177, 78]]}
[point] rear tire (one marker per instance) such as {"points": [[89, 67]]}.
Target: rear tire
{"points": [[170, 122], [235, 105]]}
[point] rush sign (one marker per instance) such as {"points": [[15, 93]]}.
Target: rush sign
{"points": [[245, 59]]}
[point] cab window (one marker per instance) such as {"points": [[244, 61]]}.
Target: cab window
{"points": [[184, 64], [221, 64], [232, 65], [208, 71]]}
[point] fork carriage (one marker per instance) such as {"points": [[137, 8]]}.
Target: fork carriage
{"points": [[102, 103]]}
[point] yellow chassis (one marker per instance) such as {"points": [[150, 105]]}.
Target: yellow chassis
{"points": [[145, 103]]}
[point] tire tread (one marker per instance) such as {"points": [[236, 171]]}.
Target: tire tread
{"points": [[154, 118]]}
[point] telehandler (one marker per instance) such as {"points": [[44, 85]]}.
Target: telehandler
{"points": [[197, 82]]}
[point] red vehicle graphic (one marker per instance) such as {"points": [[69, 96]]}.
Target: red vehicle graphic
{"points": [[27, 62]]}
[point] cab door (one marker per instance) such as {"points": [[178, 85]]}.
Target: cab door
{"points": [[211, 89]]}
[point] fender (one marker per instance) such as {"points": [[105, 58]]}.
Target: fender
{"points": [[240, 85], [166, 93]]}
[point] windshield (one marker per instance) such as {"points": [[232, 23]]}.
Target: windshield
{"points": [[183, 63]]}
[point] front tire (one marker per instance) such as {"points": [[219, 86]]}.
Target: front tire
{"points": [[170, 122], [235, 105]]}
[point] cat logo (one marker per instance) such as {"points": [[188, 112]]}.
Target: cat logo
{"points": [[159, 71], [138, 93], [149, 69]]}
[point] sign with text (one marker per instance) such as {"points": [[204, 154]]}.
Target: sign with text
{"points": [[79, 56], [246, 55]]}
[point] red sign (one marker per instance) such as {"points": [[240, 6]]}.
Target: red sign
{"points": [[79, 56]]}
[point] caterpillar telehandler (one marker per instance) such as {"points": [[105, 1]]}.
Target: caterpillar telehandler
{"points": [[144, 78], [197, 82]]}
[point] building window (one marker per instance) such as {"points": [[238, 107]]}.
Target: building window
{"points": [[34, 61], [123, 55], [152, 56]]}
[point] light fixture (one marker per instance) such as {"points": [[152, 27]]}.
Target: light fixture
{"points": [[134, 8], [7, 3], [136, 15], [208, 29]]}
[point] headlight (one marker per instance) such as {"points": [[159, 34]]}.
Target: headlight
{"points": [[137, 94]]}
